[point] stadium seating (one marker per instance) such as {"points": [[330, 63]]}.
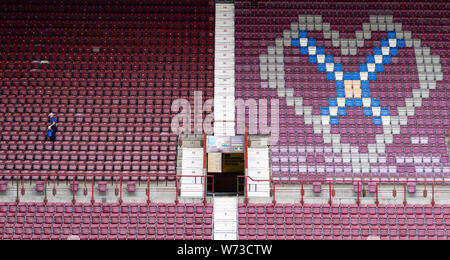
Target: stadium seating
{"points": [[109, 70], [343, 222], [363, 91], [105, 221], [270, 64]]}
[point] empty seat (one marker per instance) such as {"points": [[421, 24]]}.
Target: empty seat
{"points": [[106, 97], [349, 222], [328, 120]]}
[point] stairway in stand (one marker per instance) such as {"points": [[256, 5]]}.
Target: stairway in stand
{"points": [[225, 218], [192, 182], [258, 184], [224, 71]]}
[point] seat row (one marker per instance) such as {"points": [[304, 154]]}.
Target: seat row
{"points": [[100, 49], [105, 221], [348, 222]]}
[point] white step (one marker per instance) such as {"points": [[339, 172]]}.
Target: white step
{"points": [[225, 63], [259, 173], [193, 164], [223, 117], [224, 72], [224, 129], [224, 236], [264, 164], [224, 39], [223, 55], [225, 8], [223, 92], [224, 15]]}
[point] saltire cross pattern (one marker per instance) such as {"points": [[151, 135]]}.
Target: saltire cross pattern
{"points": [[352, 87]]}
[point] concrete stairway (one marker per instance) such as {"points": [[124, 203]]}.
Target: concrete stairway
{"points": [[192, 165], [224, 72], [225, 218], [258, 169]]}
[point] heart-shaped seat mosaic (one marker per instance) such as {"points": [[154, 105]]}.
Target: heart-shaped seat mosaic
{"points": [[353, 87]]}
